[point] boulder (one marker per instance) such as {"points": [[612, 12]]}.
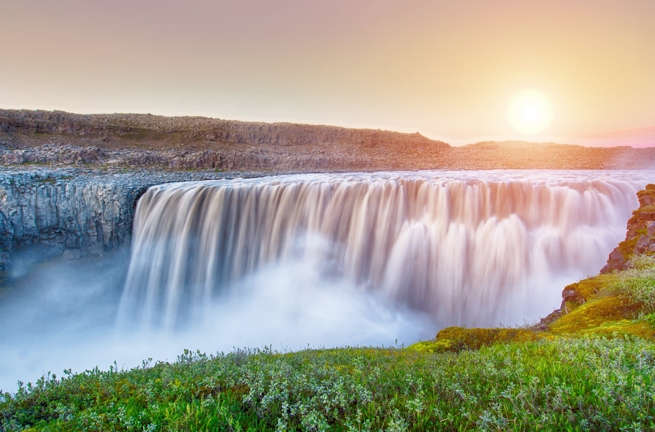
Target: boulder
{"points": [[642, 245]]}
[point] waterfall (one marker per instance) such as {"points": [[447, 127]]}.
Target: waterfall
{"points": [[462, 247]]}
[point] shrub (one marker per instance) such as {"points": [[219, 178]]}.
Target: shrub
{"points": [[580, 384], [637, 285]]}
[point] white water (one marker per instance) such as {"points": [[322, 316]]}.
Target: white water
{"points": [[462, 247], [324, 260]]}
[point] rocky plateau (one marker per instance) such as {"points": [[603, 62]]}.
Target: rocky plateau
{"points": [[58, 138]]}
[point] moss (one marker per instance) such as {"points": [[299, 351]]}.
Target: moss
{"points": [[571, 306], [627, 247], [613, 302], [595, 306], [644, 209], [435, 346], [647, 192], [591, 314], [639, 328], [582, 292], [589, 288], [460, 338]]}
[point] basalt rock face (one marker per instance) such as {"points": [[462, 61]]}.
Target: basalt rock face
{"points": [[262, 159], [640, 237], [62, 216], [72, 214]]}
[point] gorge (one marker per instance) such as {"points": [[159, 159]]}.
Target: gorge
{"points": [[325, 259]]}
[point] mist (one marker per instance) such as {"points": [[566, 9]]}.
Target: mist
{"points": [[63, 316], [315, 261]]}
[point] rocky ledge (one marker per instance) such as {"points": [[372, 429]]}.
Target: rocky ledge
{"points": [[74, 213], [640, 238]]}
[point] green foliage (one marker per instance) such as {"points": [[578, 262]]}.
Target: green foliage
{"points": [[637, 285], [456, 339], [581, 384]]}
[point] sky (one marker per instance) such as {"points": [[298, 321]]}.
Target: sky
{"points": [[449, 69]]}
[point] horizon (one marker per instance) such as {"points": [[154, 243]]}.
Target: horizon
{"points": [[451, 71], [458, 144]]}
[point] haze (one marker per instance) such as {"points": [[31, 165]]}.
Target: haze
{"points": [[447, 69]]}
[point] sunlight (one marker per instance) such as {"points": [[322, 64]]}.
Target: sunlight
{"points": [[530, 112]]}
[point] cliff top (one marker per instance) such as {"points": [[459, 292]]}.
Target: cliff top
{"points": [[150, 141]]}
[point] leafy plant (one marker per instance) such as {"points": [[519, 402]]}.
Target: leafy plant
{"points": [[565, 384], [637, 284]]}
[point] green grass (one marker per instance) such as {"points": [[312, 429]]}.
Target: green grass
{"points": [[565, 384], [594, 369]]}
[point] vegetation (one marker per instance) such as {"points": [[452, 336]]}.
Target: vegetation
{"points": [[578, 384], [627, 246], [593, 369]]}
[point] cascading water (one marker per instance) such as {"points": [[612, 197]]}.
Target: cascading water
{"points": [[463, 247]]}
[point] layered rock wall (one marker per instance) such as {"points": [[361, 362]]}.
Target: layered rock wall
{"points": [[76, 217], [72, 214]]}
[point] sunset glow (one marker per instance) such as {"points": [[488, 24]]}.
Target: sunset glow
{"points": [[444, 68], [530, 112]]}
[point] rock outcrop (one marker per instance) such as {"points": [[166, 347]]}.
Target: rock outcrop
{"points": [[640, 240], [71, 213], [640, 237], [260, 159]]}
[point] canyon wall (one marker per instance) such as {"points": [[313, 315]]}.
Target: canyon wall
{"points": [[72, 214]]}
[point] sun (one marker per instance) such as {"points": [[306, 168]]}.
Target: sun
{"points": [[530, 112]]}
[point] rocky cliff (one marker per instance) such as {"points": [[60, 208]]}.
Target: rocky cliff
{"points": [[72, 213], [640, 240], [640, 237]]}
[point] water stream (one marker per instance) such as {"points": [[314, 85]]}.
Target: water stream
{"points": [[463, 247]]}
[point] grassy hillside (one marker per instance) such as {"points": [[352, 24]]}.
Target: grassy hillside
{"points": [[592, 369]]}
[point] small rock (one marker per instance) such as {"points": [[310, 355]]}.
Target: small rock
{"points": [[567, 294], [641, 245], [650, 232], [72, 242], [616, 255]]}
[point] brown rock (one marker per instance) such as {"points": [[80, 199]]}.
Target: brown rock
{"points": [[641, 245]]}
